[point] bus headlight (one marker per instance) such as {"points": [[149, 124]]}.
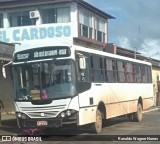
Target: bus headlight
{"points": [[63, 114], [68, 113], [22, 116], [19, 115]]}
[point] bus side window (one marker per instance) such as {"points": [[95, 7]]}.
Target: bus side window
{"points": [[105, 70], [129, 72], [137, 72], [110, 70], [121, 71], [91, 68], [114, 70], [97, 68], [102, 70], [134, 73], [149, 74], [145, 74]]}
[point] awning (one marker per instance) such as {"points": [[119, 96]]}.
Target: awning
{"points": [[5, 59]]}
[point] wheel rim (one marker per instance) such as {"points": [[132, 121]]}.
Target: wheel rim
{"points": [[98, 123], [139, 112]]}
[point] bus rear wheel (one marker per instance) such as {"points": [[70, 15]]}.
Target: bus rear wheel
{"points": [[96, 127], [139, 114]]}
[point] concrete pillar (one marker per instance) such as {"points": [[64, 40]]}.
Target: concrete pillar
{"points": [[111, 48], [6, 23]]}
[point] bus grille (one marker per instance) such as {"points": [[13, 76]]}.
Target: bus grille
{"points": [[43, 112]]}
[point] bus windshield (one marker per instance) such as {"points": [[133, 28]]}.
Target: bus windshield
{"points": [[44, 80]]}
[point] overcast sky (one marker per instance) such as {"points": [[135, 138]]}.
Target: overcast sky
{"points": [[137, 24]]}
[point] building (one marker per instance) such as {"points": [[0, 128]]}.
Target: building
{"points": [[156, 79], [52, 22], [30, 23], [112, 48], [6, 89]]}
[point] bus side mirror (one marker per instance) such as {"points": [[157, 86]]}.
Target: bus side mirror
{"points": [[4, 72], [4, 69], [82, 63]]}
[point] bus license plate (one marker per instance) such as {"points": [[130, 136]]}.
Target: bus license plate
{"points": [[42, 123]]}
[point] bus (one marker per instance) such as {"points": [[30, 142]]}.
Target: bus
{"points": [[56, 86]]}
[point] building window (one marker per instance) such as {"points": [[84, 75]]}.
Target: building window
{"points": [[100, 30], [20, 19], [1, 21], [85, 22], [56, 15]]}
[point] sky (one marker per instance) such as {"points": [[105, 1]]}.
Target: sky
{"points": [[136, 25]]}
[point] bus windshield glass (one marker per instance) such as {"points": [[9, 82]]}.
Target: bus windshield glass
{"points": [[44, 80]]}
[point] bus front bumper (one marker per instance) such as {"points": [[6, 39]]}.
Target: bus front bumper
{"points": [[47, 122]]}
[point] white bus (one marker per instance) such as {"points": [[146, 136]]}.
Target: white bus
{"points": [[59, 85]]}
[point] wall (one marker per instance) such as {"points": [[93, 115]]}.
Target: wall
{"points": [[40, 34], [6, 90], [155, 73]]}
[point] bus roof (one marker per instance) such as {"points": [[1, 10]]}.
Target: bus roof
{"points": [[89, 50]]}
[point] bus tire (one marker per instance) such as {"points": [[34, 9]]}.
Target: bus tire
{"points": [[139, 113], [131, 117], [96, 127], [136, 116]]}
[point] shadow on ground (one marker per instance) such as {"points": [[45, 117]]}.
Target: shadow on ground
{"points": [[10, 126], [78, 133]]}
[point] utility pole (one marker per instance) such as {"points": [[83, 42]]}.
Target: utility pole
{"points": [[135, 48], [135, 52]]}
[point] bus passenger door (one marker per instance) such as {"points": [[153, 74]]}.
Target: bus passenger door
{"points": [[83, 86], [82, 72]]}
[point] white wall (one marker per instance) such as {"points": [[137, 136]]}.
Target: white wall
{"points": [[40, 34]]}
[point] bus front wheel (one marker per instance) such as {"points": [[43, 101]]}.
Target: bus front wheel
{"points": [[96, 127]]}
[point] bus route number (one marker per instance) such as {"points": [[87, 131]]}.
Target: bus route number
{"points": [[62, 52]]}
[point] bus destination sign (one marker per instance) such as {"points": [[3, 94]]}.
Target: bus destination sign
{"points": [[41, 53]]}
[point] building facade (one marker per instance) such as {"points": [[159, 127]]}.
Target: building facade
{"points": [[53, 22], [156, 80], [6, 89]]}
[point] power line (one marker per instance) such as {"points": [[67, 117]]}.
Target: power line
{"points": [[152, 45]]}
